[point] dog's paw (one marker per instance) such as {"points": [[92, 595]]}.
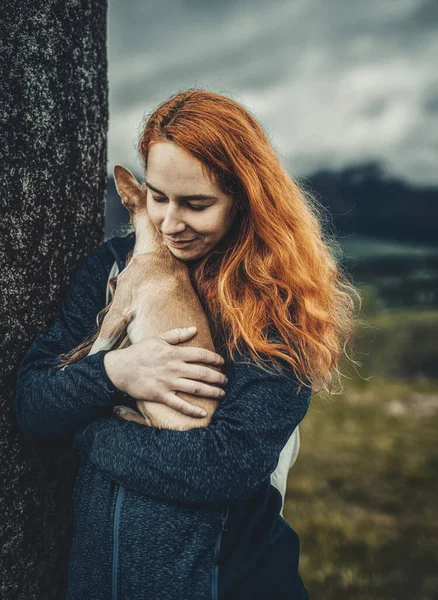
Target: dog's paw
{"points": [[128, 414], [120, 411]]}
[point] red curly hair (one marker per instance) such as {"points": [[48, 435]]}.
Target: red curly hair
{"points": [[276, 267]]}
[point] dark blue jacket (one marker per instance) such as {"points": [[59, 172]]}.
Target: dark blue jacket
{"points": [[162, 514]]}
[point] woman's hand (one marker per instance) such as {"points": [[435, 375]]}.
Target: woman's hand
{"points": [[154, 369]]}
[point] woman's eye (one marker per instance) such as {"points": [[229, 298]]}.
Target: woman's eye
{"points": [[198, 208], [195, 208]]}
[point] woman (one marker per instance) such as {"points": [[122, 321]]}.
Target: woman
{"points": [[191, 514]]}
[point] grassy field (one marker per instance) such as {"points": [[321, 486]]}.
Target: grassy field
{"points": [[363, 494]]}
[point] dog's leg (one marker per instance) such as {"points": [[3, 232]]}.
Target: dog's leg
{"points": [[100, 344], [113, 327], [123, 412]]}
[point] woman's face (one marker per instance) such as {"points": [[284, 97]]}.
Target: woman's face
{"points": [[173, 179]]}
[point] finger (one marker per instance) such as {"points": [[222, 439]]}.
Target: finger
{"points": [[198, 388], [175, 336], [202, 373], [184, 407], [196, 354]]}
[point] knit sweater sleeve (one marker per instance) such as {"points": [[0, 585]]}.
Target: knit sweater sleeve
{"points": [[51, 403], [223, 462]]}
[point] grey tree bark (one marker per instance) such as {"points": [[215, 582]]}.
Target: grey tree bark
{"points": [[53, 154]]}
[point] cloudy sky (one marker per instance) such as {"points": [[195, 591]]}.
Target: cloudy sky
{"points": [[333, 82]]}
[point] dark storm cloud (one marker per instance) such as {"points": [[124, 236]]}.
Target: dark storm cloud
{"points": [[332, 82]]}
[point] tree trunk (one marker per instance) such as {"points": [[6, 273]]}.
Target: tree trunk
{"points": [[53, 154]]}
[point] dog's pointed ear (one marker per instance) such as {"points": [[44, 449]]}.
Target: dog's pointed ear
{"points": [[133, 195]]}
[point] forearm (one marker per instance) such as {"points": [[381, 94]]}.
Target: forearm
{"points": [[52, 403], [135, 456], [224, 462]]}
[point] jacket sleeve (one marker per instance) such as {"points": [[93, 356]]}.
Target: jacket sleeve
{"points": [[51, 403], [223, 462]]}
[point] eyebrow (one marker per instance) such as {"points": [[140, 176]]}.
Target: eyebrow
{"points": [[190, 197]]}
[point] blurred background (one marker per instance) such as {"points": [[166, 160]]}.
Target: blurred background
{"points": [[348, 95]]}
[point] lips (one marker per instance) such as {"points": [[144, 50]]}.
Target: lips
{"points": [[177, 242]]}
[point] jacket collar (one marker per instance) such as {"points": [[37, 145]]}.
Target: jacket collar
{"points": [[120, 246]]}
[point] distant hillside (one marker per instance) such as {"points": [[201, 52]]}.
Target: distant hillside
{"points": [[364, 201]]}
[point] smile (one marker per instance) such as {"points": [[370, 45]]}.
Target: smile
{"points": [[182, 243]]}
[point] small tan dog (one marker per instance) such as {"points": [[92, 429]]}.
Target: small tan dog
{"points": [[153, 294]]}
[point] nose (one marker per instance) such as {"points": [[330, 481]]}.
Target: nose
{"points": [[172, 222]]}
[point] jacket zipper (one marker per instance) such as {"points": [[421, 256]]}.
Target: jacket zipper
{"points": [[120, 493], [214, 585]]}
